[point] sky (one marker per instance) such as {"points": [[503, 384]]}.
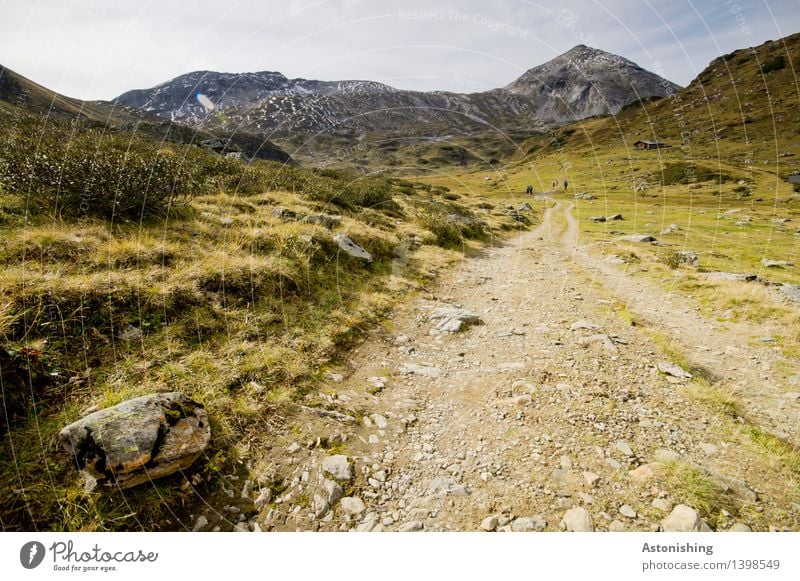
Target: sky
{"points": [[98, 49]]}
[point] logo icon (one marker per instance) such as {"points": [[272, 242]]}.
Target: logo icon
{"points": [[31, 554]]}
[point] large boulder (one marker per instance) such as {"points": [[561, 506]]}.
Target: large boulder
{"points": [[138, 440]]}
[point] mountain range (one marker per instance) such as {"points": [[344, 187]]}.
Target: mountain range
{"points": [[580, 83]]}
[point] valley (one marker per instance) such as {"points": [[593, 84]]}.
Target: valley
{"points": [[384, 330]]}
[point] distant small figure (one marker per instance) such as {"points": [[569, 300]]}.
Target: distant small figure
{"points": [[555, 184], [529, 190], [566, 183]]}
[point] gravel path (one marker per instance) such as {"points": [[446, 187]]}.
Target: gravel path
{"points": [[516, 399]]}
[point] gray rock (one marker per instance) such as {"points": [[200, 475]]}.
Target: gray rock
{"points": [[339, 467], [332, 491], [684, 519], [130, 333], [615, 217], [624, 448], [527, 524], [453, 319], [285, 213], [734, 277], [379, 421], [578, 520], [790, 291], [766, 263], [423, 370], [489, 523], [662, 504], [639, 238], [673, 370], [263, 499], [739, 528], [351, 248], [591, 478], [670, 229], [138, 440], [665, 456], [412, 526], [200, 524], [687, 257], [597, 218], [645, 471], [581, 325], [352, 505], [627, 510], [617, 527], [328, 222]]}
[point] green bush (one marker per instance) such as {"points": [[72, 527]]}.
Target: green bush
{"points": [[91, 172], [774, 64]]}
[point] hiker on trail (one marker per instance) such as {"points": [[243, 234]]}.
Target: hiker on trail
{"points": [[529, 190], [566, 183], [555, 184]]}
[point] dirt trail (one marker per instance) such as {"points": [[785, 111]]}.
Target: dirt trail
{"points": [[549, 404]]}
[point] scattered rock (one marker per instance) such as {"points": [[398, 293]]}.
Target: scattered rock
{"points": [[585, 196], [264, 498], [617, 527], [674, 370], [130, 333], [615, 217], [489, 523], [739, 528], [423, 370], [328, 222], [708, 449], [687, 257], [293, 447], [670, 229], [412, 526], [527, 524], [352, 505], [684, 519], [662, 504], [734, 277], [591, 478], [138, 440], [332, 491], [639, 238], [452, 319], [766, 263], [597, 218], [200, 524], [286, 214], [665, 456], [624, 448], [351, 248], [582, 324], [628, 511], [578, 520], [645, 471], [339, 467]]}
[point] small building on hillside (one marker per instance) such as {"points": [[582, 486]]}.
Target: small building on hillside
{"points": [[649, 145]]}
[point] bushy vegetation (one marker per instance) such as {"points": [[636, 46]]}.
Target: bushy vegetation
{"points": [[66, 172], [774, 64], [685, 173]]}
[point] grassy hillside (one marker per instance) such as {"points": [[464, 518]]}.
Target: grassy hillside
{"points": [[131, 266]]}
